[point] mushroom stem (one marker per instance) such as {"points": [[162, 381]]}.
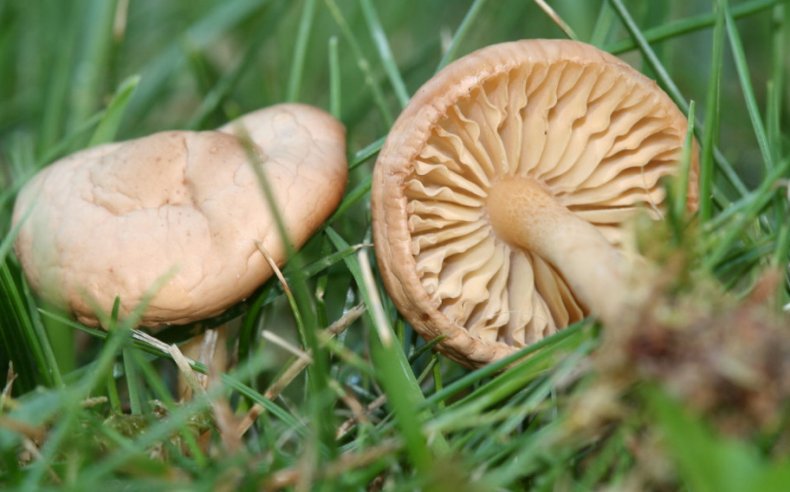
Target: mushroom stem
{"points": [[524, 214]]}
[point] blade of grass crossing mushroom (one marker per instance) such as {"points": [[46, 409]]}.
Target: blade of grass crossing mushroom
{"points": [[300, 50], [111, 119], [323, 398], [362, 61], [385, 53], [460, 33], [335, 92], [742, 68], [710, 135], [688, 25]]}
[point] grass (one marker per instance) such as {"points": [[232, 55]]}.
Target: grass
{"points": [[377, 408]]}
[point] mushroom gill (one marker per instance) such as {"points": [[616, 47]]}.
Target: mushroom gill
{"points": [[592, 135]]}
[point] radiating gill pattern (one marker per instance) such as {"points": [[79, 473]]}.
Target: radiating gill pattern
{"points": [[572, 126]]}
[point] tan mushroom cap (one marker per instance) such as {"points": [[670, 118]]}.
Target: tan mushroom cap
{"points": [[586, 133], [111, 220]]}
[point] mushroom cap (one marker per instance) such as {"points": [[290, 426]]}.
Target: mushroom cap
{"points": [[111, 220], [593, 132]]}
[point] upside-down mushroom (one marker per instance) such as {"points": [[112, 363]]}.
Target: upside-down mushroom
{"points": [[501, 191], [111, 220]]}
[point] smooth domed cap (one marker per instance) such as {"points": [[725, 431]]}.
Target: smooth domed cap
{"points": [[111, 220], [590, 130]]}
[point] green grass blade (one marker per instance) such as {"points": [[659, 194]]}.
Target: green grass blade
{"points": [[353, 197], [304, 310], [133, 384], [496, 366], [335, 90], [92, 65], [399, 381], [366, 153], [672, 88], [603, 27], [695, 23], [385, 53], [111, 119], [681, 191], [362, 61], [742, 67], [211, 104], [707, 462], [711, 131], [300, 51], [460, 34], [65, 22], [22, 343], [776, 81], [760, 198], [204, 31], [23, 330]]}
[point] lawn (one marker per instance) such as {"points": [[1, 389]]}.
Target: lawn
{"points": [[329, 387]]}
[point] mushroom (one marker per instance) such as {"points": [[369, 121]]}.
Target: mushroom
{"points": [[111, 220], [500, 194]]}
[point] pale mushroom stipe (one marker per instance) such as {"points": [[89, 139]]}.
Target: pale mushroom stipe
{"points": [[111, 220], [500, 194]]}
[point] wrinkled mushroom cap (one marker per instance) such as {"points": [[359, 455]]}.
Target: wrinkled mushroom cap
{"points": [[594, 133], [111, 220]]}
